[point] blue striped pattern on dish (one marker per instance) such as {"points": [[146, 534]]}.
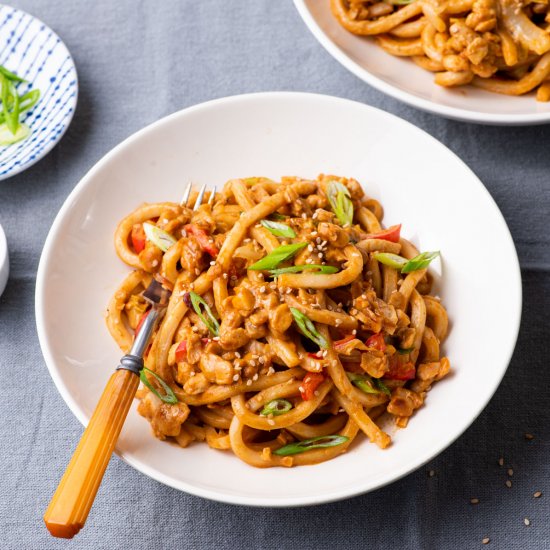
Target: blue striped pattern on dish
{"points": [[33, 51]]}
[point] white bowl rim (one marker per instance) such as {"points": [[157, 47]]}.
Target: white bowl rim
{"points": [[462, 115], [51, 145], [514, 297]]}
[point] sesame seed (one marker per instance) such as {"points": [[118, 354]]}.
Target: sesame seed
{"points": [[235, 378], [508, 483], [216, 339], [197, 271], [309, 261], [288, 290], [194, 329], [252, 363], [538, 494], [320, 255], [474, 501], [261, 360], [212, 262], [237, 355], [249, 382], [529, 437], [510, 472], [310, 247], [486, 540], [526, 521], [271, 422], [431, 473], [318, 240], [262, 289], [225, 276], [314, 217], [255, 377], [270, 371], [354, 332], [314, 233], [316, 393], [192, 373], [301, 388], [338, 322], [501, 461]]}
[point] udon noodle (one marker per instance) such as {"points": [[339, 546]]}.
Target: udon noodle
{"points": [[296, 321], [502, 46]]}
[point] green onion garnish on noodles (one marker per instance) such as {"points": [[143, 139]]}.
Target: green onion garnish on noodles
{"points": [[382, 387], [305, 267], [339, 197], [320, 442], [276, 407], [168, 397], [279, 229], [420, 262], [277, 256], [363, 382], [158, 236], [402, 264], [391, 260], [308, 328], [209, 320]]}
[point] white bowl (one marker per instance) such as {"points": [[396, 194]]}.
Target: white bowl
{"points": [[4, 261], [421, 184], [401, 78], [32, 50]]}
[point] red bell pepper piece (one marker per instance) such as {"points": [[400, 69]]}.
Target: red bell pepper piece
{"points": [[391, 234], [205, 241], [311, 381], [181, 350], [376, 341], [138, 237], [399, 370]]}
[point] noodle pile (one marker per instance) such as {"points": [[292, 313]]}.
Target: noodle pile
{"points": [[502, 46], [283, 364]]}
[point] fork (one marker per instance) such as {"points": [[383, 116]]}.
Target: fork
{"points": [[75, 494]]}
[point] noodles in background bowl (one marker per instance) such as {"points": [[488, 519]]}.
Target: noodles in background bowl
{"points": [[295, 320], [501, 46]]}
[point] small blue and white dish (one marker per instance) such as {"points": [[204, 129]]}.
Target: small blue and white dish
{"points": [[34, 52]]}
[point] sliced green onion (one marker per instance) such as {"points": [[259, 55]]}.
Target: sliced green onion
{"points": [[339, 197], [5, 95], [404, 351], [10, 76], [279, 229], [29, 100], [420, 262], [15, 111], [305, 267], [389, 259], [308, 328], [277, 217], [168, 397], [209, 320], [276, 407], [274, 258], [158, 236], [7, 138], [363, 382], [382, 387], [401, 2], [320, 442]]}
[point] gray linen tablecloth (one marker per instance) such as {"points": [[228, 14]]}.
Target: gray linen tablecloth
{"points": [[139, 61]]}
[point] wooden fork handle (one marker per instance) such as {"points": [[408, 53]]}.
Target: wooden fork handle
{"points": [[75, 494]]}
